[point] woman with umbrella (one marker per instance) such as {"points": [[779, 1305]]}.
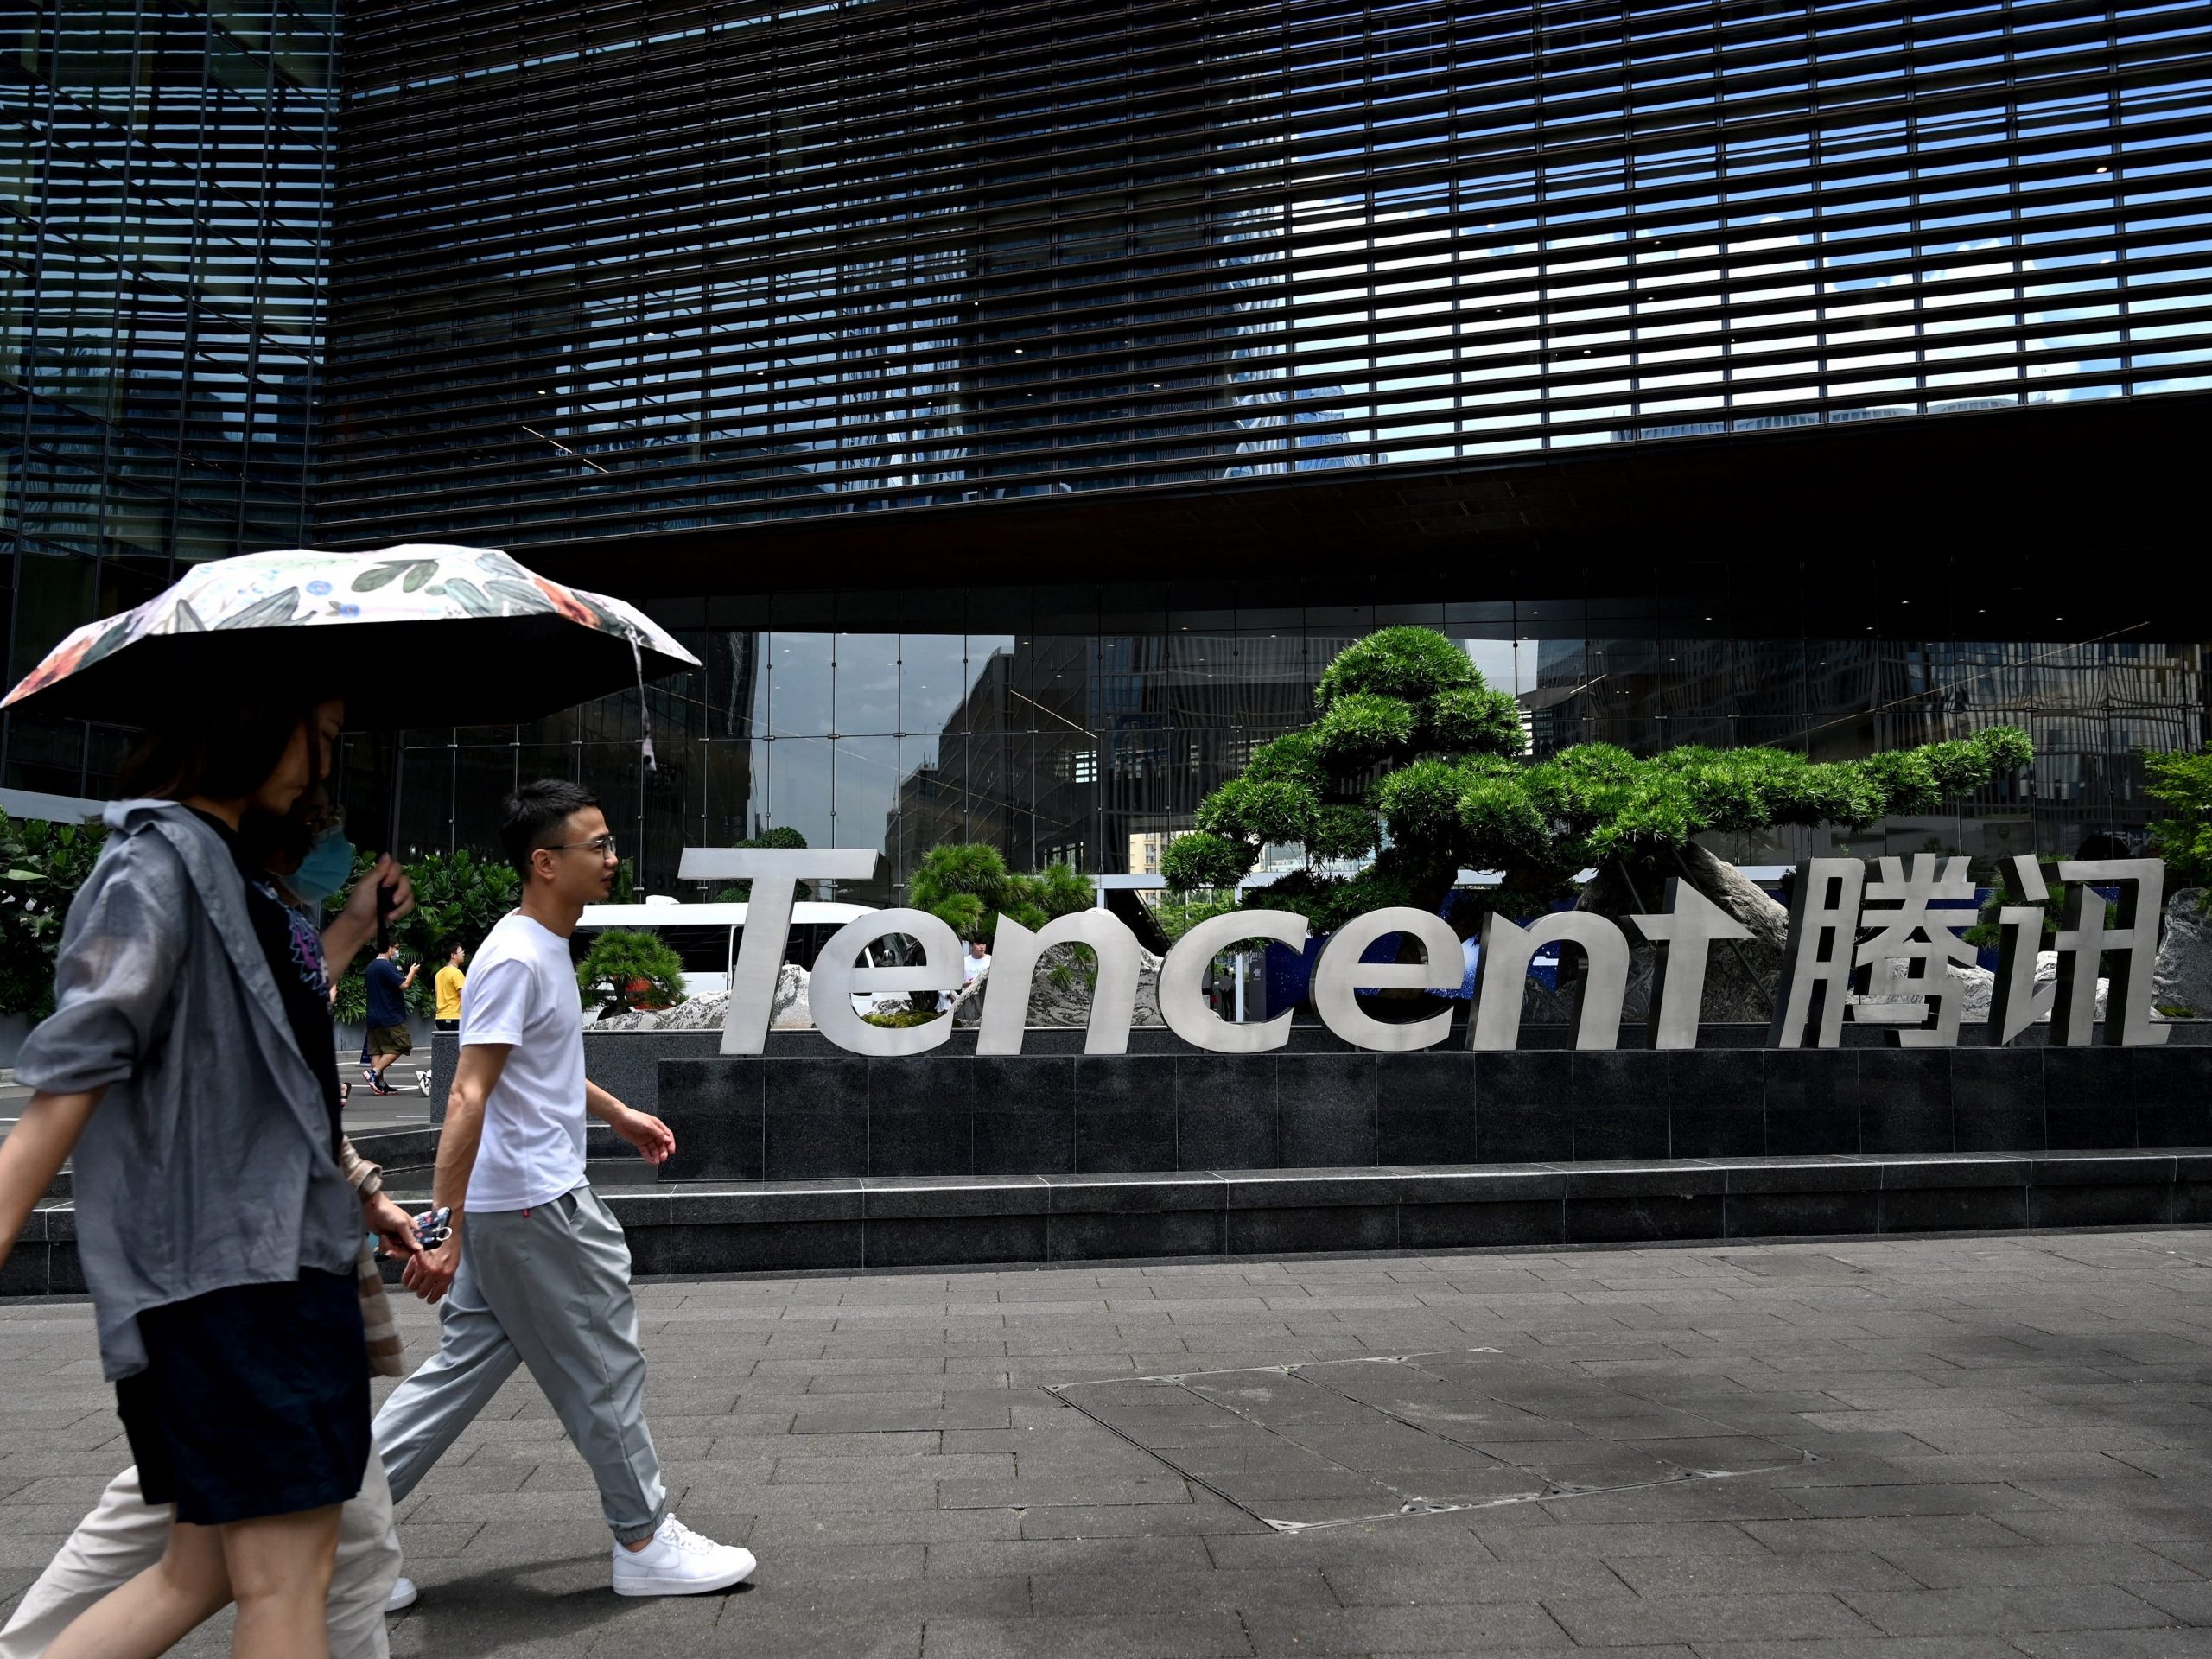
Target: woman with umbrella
{"points": [[215, 1230], [217, 1233]]}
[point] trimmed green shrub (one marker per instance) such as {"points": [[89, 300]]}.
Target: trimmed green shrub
{"points": [[966, 885], [1413, 753], [2183, 837], [42, 867], [630, 969], [740, 892], [459, 897]]}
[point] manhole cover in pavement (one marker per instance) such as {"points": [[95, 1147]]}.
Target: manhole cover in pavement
{"points": [[1325, 1443]]}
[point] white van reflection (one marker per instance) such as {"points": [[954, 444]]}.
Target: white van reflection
{"points": [[706, 937]]}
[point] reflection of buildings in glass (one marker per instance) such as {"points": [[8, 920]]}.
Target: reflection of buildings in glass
{"points": [[956, 303], [2090, 708], [1013, 768], [1095, 748], [926, 255], [164, 282], [1083, 750], [1147, 848]]}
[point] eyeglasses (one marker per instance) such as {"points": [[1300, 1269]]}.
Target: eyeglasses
{"points": [[603, 845]]}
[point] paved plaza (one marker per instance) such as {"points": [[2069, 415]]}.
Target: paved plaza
{"points": [[1987, 1446]]}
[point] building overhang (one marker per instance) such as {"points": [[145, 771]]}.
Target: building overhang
{"points": [[2015, 507]]}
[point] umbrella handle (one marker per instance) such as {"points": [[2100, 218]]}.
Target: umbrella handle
{"points": [[384, 917]]}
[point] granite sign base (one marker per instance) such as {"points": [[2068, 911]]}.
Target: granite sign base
{"points": [[873, 1224], [854, 1226], [781, 1118], [807, 1159]]}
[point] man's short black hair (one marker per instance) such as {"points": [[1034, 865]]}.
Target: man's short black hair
{"points": [[534, 815]]}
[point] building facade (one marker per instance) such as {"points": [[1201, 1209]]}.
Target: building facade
{"points": [[601, 268], [167, 193], [1015, 407]]}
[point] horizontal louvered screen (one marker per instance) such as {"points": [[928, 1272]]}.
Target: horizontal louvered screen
{"points": [[607, 268]]}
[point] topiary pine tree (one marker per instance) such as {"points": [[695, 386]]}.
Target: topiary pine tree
{"points": [[628, 969], [1414, 754]]}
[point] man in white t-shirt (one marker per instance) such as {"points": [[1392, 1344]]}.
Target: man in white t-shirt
{"points": [[544, 1280]]}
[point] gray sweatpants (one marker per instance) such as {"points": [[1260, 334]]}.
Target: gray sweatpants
{"points": [[549, 1288]]}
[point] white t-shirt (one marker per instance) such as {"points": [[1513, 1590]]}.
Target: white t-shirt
{"points": [[522, 991], [972, 967]]}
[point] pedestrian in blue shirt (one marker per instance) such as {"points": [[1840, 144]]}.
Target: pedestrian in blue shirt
{"points": [[388, 1035]]}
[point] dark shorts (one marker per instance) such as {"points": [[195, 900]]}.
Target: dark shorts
{"points": [[391, 1039], [254, 1400]]}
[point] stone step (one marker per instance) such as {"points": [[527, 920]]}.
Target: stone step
{"points": [[880, 1222]]}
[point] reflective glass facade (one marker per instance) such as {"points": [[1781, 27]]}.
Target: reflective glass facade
{"points": [[604, 277], [602, 267], [604, 274], [1084, 725], [167, 188]]}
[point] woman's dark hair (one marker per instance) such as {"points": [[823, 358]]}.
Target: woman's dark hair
{"points": [[220, 748], [533, 816]]}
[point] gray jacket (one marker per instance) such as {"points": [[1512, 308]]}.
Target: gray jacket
{"points": [[209, 1163]]}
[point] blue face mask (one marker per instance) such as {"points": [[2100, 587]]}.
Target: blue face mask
{"points": [[325, 869]]}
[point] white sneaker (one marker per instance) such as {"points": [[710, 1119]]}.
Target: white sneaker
{"points": [[679, 1562], [403, 1595]]}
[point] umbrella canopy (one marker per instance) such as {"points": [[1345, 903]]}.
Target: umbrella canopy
{"points": [[417, 635]]}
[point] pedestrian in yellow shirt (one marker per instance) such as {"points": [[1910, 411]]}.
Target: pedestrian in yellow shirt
{"points": [[448, 982]]}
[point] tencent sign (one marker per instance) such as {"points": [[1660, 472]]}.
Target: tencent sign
{"points": [[1898, 929]]}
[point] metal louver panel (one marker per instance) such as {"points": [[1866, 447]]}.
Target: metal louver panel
{"points": [[608, 268]]}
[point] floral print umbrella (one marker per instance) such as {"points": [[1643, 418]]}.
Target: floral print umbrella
{"points": [[415, 635]]}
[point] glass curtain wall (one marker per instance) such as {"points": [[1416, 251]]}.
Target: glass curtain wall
{"points": [[1082, 726], [166, 180], [732, 262]]}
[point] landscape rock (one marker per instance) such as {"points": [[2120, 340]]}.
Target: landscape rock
{"points": [[1980, 987], [1740, 976], [1059, 991], [788, 1012], [2182, 982]]}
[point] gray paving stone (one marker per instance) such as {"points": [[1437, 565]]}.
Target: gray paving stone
{"points": [[2133, 1644], [1808, 1571], [1216, 1636], [2186, 1604], [1939, 1647], [1254, 1591], [1531, 1542], [1611, 1622], [1464, 1627], [2011, 1608], [2015, 1459], [1958, 1569], [1884, 1534], [1410, 1582]]}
